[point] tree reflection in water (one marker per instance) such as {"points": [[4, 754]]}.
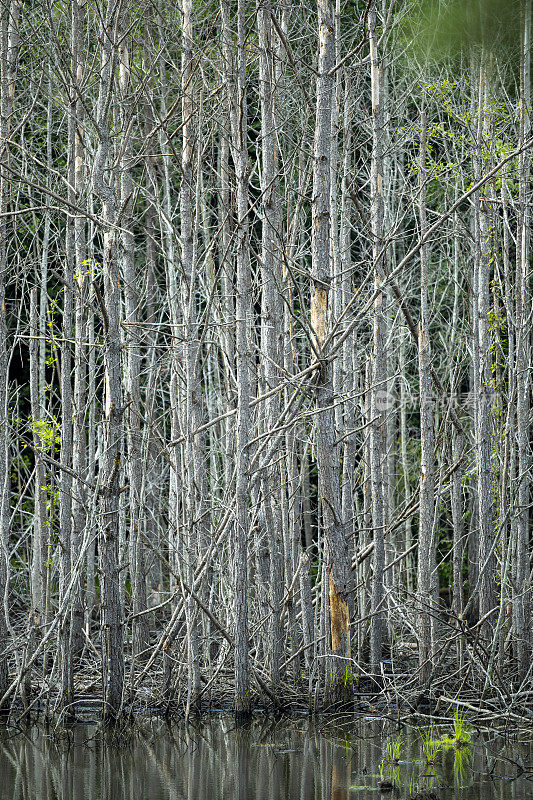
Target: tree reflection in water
{"points": [[269, 759]]}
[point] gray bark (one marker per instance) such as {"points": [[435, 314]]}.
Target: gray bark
{"points": [[111, 612], [336, 551], [426, 559], [378, 375], [522, 581], [133, 355], [192, 406], [483, 377], [82, 274], [270, 329], [235, 75]]}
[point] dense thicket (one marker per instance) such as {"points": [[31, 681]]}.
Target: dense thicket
{"points": [[265, 353]]}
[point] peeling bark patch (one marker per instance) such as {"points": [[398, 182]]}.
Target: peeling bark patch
{"points": [[340, 639], [319, 309]]}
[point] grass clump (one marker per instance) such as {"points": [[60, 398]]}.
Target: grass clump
{"points": [[462, 733], [430, 744], [394, 749]]}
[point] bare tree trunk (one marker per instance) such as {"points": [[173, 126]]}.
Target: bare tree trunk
{"points": [[484, 374], [457, 507], [506, 521], [522, 580], [92, 437], [40, 443], [404, 439], [111, 612], [169, 251], [153, 492], [140, 634], [271, 328], [65, 479], [193, 501], [237, 101], [426, 560], [378, 389], [456, 451], [83, 269], [336, 551]]}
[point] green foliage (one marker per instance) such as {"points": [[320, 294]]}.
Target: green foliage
{"points": [[462, 733], [394, 748], [48, 434], [430, 744], [88, 268], [346, 678], [53, 494]]}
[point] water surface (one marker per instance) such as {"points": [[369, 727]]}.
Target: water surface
{"points": [[284, 759]]}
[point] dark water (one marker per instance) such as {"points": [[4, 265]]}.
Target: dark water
{"points": [[284, 759]]}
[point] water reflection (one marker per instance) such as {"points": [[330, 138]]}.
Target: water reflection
{"points": [[325, 759]]}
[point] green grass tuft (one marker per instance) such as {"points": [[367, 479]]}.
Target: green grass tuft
{"points": [[430, 744], [394, 748], [462, 733]]}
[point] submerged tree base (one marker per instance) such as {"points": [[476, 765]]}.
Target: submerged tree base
{"points": [[340, 690], [396, 700]]}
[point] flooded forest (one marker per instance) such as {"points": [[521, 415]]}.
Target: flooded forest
{"points": [[265, 379]]}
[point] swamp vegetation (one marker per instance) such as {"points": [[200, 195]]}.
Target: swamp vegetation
{"points": [[265, 386]]}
